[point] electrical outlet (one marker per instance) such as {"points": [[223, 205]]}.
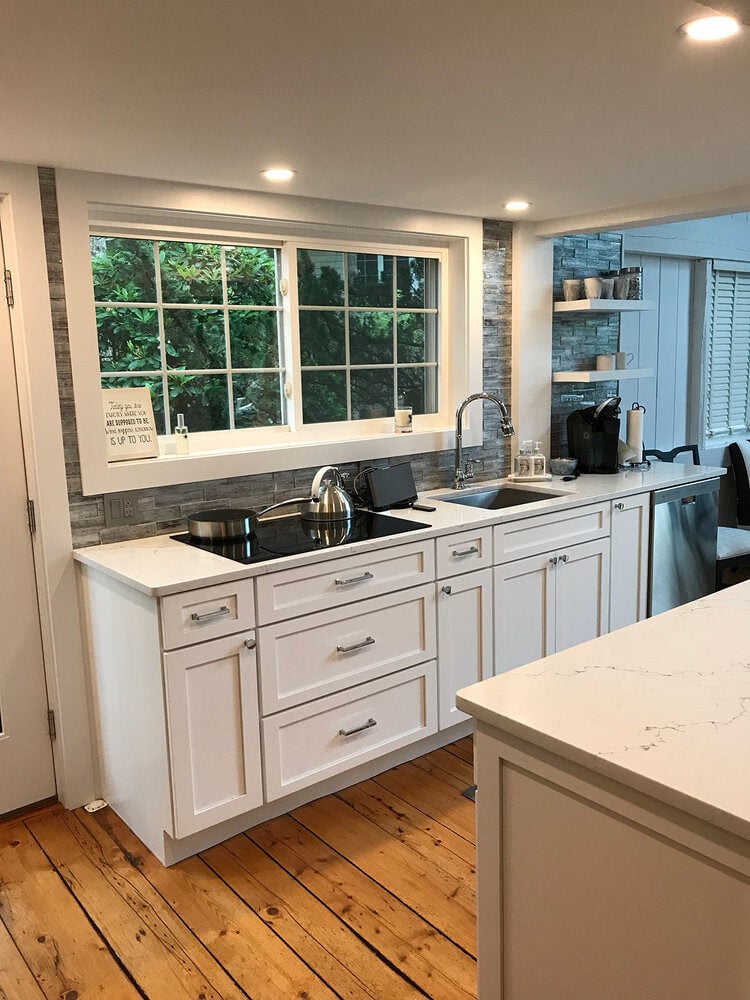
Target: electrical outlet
{"points": [[121, 508]]}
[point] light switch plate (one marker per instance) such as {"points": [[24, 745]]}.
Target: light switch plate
{"points": [[121, 508]]}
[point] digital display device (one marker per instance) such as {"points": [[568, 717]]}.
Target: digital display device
{"points": [[391, 487]]}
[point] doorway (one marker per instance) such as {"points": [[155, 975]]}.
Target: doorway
{"points": [[27, 772]]}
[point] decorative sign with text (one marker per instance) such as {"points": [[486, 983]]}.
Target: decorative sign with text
{"points": [[129, 424]]}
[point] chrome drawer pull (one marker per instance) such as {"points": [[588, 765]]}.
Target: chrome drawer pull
{"points": [[353, 579], [369, 641], [554, 560], [447, 589], [619, 506], [467, 552], [251, 643], [210, 615], [358, 729]]}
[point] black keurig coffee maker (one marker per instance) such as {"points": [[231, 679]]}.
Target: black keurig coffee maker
{"points": [[593, 435]]}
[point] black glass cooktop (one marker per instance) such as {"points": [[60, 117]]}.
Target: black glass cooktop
{"points": [[289, 536]]}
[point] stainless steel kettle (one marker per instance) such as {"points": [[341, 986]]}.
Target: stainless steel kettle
{"points": [[329, 500]]}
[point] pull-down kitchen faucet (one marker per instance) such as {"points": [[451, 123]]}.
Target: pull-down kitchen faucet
{"points": [[460, 476]]}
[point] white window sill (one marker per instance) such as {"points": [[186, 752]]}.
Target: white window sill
{"points": [[170, 469]]}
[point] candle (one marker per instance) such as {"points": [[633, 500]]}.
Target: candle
{"points": [[403, 420]]}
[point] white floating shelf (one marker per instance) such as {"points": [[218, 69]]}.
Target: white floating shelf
{"points": [[613, 375], [603, 305]]}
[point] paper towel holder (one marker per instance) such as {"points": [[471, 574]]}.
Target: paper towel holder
{"points": [[644, 463]]}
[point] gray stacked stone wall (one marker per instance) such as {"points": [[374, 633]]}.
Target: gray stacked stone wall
{"points": [[163, 509], [577, 338]]}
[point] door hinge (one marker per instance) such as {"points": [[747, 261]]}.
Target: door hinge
{"points": [[8, 278], [31, 515], [51, 724]]}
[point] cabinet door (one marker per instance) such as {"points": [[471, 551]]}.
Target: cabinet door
{"points": [[524, 611], [465, 644], [628, 592], [581, 593], [214, 733]]}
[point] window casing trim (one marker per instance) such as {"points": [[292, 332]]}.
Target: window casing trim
{"points": [[99, 204]]}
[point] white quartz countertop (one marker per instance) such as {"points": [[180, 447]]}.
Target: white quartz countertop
{"points": [[159, 565], [662, 706]]}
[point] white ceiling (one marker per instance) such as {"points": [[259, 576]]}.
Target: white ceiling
{"points": [[577, 105]]}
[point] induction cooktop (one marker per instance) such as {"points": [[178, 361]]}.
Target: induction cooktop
{"points": [[289, 536]]}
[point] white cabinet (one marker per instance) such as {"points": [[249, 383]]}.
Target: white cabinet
{"points": [[213, 731], [308, 743], [465, 640], [549, 602], [629, 560], [464, 552]]}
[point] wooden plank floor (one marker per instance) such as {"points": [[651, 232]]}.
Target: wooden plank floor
{"points": [[363, 895]]}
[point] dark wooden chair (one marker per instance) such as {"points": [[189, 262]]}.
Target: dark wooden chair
{"points": [[669, 456]]}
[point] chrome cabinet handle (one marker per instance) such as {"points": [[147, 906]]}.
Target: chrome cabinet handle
{"points": [[369, 641], [221, 612], [447, 589], [354, 579], [619, 506], [563, 558], [554, 560], [467, 552], [251, 643], [358, 729]]}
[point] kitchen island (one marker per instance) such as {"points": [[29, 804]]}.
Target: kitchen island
{"points": [[614, 814]]}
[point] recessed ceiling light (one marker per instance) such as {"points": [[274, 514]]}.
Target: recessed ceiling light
{"points": [[711, 29], [278, 174], [517, 206]]}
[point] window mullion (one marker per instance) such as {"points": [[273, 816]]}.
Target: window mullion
{"points": [[291, 336], [162, 339], [227, 341], [347, 351], [395, 332]]}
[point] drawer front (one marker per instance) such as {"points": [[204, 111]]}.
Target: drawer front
{"points": [[464, 552], [307, 744], [306, 589], [208, 613], [310, 657], [532, 535]]}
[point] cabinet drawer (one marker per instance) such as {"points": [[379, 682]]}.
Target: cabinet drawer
{"points": [[329, 584], [464, 552], [532, 535], [309, 657], [208, 613], [307, 744]]}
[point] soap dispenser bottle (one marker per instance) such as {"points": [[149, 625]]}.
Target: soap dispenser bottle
{"points": [[182, 444], [522, 464], [538, 462]]}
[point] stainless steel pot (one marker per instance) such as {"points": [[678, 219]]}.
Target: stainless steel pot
{"points": [[222, 524]]}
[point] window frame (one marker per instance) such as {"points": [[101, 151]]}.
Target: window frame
{"points": [[702, 340], [127, 207]]}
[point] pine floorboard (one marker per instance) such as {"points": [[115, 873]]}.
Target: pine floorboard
{"points": [[368, 894]]}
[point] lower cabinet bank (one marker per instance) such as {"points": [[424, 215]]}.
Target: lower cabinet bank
{"points": [[219, 707]]}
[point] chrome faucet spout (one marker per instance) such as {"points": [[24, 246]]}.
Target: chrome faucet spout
{"points": [[461, 474]]}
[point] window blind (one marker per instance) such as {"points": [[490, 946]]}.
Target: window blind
{"points": [[727, 364]]}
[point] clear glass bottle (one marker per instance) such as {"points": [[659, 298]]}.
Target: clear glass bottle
{"points": [[182, 443]]}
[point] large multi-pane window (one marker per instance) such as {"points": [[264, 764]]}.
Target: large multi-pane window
{"points": [[368, 334], [202, 325], [199, 324]]}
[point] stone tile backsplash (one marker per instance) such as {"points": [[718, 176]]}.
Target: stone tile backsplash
{"points": [[577, 338], [163, 509]]}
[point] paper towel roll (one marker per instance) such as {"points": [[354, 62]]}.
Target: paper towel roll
{"points": [[635, 431]]}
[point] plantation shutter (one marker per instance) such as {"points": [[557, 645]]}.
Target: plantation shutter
{"points": [[727, 371]]}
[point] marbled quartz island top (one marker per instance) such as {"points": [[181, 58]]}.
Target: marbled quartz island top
{"points": [[662, 706]]}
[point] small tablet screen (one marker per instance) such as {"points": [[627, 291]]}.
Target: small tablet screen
{"points": [[392, 487]]}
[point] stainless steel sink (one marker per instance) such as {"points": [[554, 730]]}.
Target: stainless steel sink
{"points": [[498, 498]]}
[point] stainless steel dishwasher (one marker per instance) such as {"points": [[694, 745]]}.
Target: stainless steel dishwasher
{"points": [[684, 522]]}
